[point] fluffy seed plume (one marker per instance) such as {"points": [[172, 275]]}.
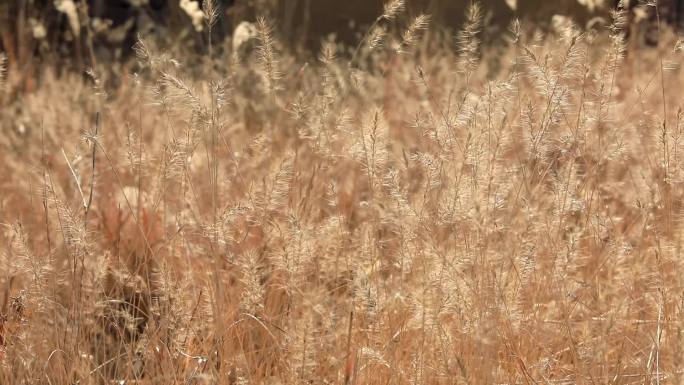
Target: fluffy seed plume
{"points": [[410, 36], [3, 70], [251, 301], [267, 55], [211, 12], [392, 9], [375, 37], [468, 42]]}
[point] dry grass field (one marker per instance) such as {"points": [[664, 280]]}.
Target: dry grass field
{"points": [[419, 209]]}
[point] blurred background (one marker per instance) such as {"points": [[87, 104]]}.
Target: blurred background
{"points": [[76, 34]]}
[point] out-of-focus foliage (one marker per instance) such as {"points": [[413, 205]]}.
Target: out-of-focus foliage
{"points": [[76, 34]]}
